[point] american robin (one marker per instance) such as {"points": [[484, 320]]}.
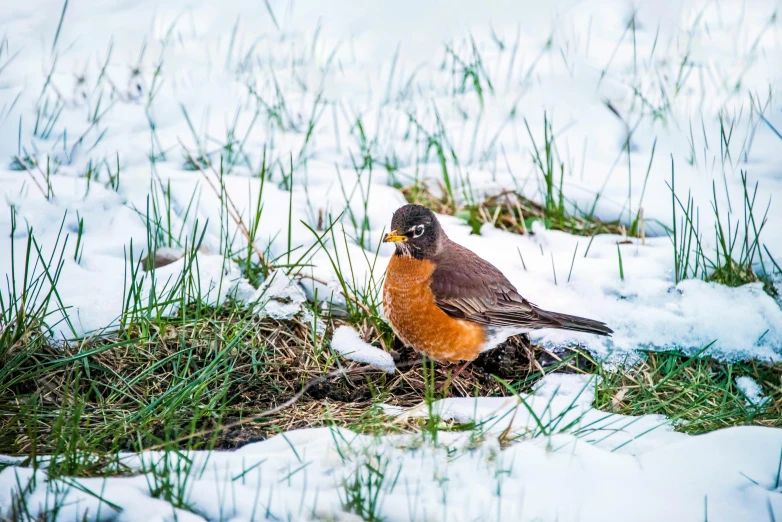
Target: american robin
{"points": [[449, 304]]}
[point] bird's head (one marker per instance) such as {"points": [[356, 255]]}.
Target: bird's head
{"points": [[415, 232]]}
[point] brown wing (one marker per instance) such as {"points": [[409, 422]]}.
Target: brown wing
{"points": [[466, 286]]}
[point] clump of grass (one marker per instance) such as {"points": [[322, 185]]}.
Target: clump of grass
{"points": [[738, 250], [734, 266], [173, 382], [365, 488], [468, 71], [30, 298], [157, 382], [512, 212], [192, 379], [698, 394]]}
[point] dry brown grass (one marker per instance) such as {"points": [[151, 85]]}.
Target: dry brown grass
{"points": [[170, 379]]}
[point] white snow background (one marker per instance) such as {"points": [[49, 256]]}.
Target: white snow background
{"points": [[132, 90]]}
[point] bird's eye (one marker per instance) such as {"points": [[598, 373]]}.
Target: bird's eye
{"points": [[418, 231]]}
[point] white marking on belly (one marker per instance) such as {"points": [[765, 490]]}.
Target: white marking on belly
{"points": [[497, 336]]}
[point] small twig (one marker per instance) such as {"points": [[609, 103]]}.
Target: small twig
{"points": [[503, 438], [521, 217], [643, 225]]}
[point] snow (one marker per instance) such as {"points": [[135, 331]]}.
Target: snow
{"points": [[562, 402], [560, 385], [279, 297], [576, 470], [201, 84], [348, 343], [689, 84], [751, 390]]}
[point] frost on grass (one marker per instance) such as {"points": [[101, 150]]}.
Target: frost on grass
{"points": [[350, 345]]}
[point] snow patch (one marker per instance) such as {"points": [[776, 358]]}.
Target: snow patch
{"points": [[751, 390], [279, 297], [579, 387], [348, 343]]}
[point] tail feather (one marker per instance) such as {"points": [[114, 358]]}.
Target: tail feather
{"points": [[575, 323]]}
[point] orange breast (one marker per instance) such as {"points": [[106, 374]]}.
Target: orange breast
{"points": [[409, 304]]}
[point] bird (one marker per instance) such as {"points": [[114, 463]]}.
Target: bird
{"points": [[449, 304]]}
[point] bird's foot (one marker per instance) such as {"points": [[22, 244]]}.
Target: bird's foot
{"points": [[444, 388]]}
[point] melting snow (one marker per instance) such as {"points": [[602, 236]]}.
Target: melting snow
{"points": [[350, 345], [278, 297], [751, 390]]}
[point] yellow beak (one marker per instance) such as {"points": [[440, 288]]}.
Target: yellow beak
{"points": [[393, 237]]}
